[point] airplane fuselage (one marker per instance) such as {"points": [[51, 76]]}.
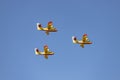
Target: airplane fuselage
{"points": [[50, 30], [85, 42], [46, 52], [81, 42]]}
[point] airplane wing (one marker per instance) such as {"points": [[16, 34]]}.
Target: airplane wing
{"points": [[85, 38], [50, 25], [47, 32], [46, 56], [82, 45]]}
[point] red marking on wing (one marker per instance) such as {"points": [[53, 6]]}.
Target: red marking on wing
{"points": [[45, 46], [50, 23], [85, 35]]}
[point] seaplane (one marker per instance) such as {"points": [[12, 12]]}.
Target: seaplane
{"points": [[45, 53], [82, 42], [49, 28]]}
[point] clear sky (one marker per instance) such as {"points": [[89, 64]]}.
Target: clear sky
{"points": [[100, 19]]}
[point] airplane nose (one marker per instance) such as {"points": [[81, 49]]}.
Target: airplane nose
{"points": [[36, 49], [75, 38]]}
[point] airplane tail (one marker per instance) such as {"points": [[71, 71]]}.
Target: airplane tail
{"points": [[39, 26], [37, 52], [74, 39]]}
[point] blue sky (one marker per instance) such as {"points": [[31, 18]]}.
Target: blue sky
{"points": [[98, 18]]}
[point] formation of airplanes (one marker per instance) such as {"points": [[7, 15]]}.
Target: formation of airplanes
{"points": [[51, 28]]}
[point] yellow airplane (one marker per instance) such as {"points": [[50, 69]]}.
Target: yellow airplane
{"points": [[46, 52], [48, 29], [82, 42]]}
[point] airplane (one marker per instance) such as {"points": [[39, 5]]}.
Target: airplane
{"points": [[82, 42], [46, 52], [49, 28]]}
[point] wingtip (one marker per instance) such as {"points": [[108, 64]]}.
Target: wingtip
{"points": [[85, 34], [50, 22]]}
